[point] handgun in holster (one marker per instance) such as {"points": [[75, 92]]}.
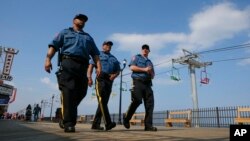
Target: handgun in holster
{"points": [[59, 64]]}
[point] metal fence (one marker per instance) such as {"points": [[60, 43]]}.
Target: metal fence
{"points": [[221, 117]]}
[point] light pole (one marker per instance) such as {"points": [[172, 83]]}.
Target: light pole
{"points": [[120, 102], [42, 109], [51, 107]]}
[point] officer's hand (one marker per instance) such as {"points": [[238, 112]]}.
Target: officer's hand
{"points": [[48, 66], [112, 77], [98, 71], [152, 74], [90, 81], [148, 69]]}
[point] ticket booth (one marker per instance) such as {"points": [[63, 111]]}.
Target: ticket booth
{"points": [[6, 92]]}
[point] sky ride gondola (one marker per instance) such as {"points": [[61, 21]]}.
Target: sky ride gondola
{"points": [[175, 75], [204, 77]]}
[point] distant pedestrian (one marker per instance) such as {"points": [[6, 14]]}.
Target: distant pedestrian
{"points": [[28, 113], [36, 112], [142, 75]]}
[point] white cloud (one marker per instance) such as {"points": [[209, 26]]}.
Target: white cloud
{"points": [[245, 62], [127, 42], [216, 23], [213, 24], [45, 80], [49, 83]]}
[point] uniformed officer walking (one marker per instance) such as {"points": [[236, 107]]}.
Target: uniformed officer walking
{"points": [[76, 46], [142, 75], [104, 82]]}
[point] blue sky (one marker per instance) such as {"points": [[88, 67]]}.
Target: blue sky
{"points": [[167, 26]]}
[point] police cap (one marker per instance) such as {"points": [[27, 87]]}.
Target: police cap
{"points": [[108, 43], [81, 17], [145, 46]]}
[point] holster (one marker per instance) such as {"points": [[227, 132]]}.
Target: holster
{"points": [[58, 74]]}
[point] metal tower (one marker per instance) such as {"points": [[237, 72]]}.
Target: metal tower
{"points": [[189, 59]]}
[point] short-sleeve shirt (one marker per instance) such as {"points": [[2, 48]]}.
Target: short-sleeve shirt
{"points": [[72, 43], [143, 62], [109, 63]]}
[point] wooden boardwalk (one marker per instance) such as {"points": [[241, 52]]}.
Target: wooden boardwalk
{"points": [[11, 130]]}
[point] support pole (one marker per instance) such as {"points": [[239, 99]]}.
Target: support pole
{"points": [[194, 95], [51, 118], [189, 59], [120, 101]]}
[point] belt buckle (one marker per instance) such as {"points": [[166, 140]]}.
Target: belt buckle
{"points": [[66, 57]]}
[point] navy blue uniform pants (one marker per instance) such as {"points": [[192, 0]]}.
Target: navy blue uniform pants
{"points": [[103, 91], [141, 91], [73, 83]]}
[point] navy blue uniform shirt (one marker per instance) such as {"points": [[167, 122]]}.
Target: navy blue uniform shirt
{"points": [[72, 43], [143, 62], [109, 63]]}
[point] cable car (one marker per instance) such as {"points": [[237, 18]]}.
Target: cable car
{"points": [[175, 75], [113, 94], [204, 78], [93, 93], [124, 89]]}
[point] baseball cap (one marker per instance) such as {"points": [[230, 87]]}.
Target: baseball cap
{"points": [[145, 46], [108, 43], [81, 16]]}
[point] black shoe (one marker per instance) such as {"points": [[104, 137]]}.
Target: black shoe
{"points": [[150, 128], [110, 126], [126, 123], [61, 125], [69, 129], [97, 127]]}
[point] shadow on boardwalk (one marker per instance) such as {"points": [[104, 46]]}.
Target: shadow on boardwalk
{"points": [[45, 131]]}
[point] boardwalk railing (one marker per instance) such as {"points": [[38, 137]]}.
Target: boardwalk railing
{"points": [[220, 117]]}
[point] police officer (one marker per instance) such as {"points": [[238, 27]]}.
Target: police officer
{"points": [[142, 75], [76, 46], [110, 70]]}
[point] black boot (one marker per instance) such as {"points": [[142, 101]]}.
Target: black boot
{"points": [[97, 127], [126, 123], [110, 126], [150, 128]]}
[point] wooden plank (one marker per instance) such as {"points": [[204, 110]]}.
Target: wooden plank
{"points": [[243, 109], [240, 120], [137, 118], [169, 123], [170, 120], [188, 113], [81, 119], [177, 120], [179, 112]]}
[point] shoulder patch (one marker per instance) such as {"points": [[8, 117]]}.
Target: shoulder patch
{"points": [[56, 35], [133, 58]]}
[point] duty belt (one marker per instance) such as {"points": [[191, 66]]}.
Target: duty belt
{"points": [[76, 59], [142, 79], [104, 75]]}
